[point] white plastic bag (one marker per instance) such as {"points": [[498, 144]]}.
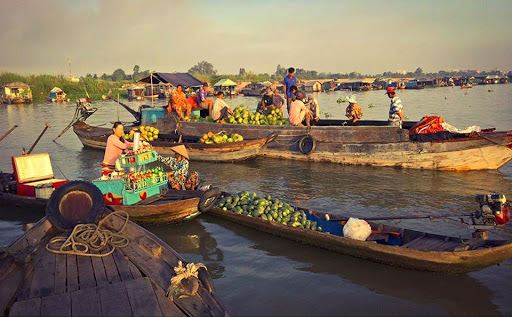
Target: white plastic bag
{"points": [[357, 229]]}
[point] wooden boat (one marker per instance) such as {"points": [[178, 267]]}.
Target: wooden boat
{"points": [[96, 137], [371, 143], [389, 245], [132, 281], [466, 86], [178, 206]]}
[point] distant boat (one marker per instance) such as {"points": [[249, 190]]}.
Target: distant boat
{"points": [[466, 86], [58, 95], [16, 92]]}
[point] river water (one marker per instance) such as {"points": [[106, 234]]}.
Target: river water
{"points": [[258, 274]]}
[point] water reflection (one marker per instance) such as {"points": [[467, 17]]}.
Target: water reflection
{"points": [[191, 238], [419, 287]]}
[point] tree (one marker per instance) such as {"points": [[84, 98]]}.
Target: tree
{"points": [[118, 74], [95, 76], [281, 71], [136, 69], [203, 68], [418, 71], [241, 72]]}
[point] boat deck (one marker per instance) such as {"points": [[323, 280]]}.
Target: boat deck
{"points": [[132, 281]]}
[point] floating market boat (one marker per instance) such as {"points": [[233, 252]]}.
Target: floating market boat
{"points": [[133, 280], [14, 93], [371, 143], [96, 138], [367, 142], [32, 187], [387, 244], [174, 208], [58, 95]]}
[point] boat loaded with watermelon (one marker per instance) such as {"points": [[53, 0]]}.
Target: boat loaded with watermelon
{"points": [[423, 145]]}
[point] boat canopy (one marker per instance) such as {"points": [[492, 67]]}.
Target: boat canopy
{"points": [[56, 90], [225, 83], [175, 79]]}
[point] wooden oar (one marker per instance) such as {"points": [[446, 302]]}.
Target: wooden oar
{"points": [[8, 132], [38, 138]]}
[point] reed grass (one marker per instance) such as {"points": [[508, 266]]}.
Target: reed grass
{"points": [[42, 84]]}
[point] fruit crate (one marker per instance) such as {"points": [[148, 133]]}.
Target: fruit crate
{"points": [[138, 159]]}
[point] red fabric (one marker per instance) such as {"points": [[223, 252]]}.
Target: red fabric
{"points": [[192, 102], [428, 124], [390, 89]]}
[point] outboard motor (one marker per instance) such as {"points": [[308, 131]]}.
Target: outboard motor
{"points": [[494, 209], [7, 183]]}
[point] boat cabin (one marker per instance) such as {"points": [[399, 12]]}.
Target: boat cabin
{"points": [[313, 86], [58, 95], [135, 92], [34, 175], [16, 92]]}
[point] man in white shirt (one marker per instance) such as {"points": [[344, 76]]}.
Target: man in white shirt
{"points": [[298, 113], [220, 109]]}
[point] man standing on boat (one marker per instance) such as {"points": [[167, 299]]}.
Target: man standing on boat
{"points": [[288, 82], [396, 114]]}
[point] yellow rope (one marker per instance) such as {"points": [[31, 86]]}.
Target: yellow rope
{"points": [[88, 238]]}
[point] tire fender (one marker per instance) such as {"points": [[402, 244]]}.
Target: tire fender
{"points": [[307, 144], [209, 199], [73, 203]]}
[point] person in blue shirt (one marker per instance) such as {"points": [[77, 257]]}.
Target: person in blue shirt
{"points": [[288, 82]]}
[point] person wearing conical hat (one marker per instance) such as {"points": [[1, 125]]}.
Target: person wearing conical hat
{"points": [[353, 111], [179, 166]]}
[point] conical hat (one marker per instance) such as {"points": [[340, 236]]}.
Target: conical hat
{"points": [[181, 150]]}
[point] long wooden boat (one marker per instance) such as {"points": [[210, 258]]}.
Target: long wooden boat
{"points": [[372, 143], [403, 247], [96, 138], [166, 210], [132, 281]]}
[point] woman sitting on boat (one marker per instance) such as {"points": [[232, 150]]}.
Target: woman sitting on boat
{"points": [[179, 177], [178, 103], [115, 146], [354, 111]]}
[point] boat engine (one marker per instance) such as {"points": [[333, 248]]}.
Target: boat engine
{"points": [[494, 209]]}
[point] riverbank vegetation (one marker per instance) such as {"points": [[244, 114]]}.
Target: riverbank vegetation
{"points": [[87, 86]]}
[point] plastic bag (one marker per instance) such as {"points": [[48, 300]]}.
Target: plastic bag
{"points": [[357, 229]]}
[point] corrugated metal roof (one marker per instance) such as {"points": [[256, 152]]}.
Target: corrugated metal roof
{"points": [[175, 79]]}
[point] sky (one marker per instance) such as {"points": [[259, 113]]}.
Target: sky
{"points": [[367, 36]]}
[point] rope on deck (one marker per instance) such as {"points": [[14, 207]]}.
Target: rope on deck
{"points": [[91, 239]]}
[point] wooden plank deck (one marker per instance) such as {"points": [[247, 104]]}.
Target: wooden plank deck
{"points": [[69, 285]]}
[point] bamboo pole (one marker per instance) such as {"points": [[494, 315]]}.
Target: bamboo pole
{"points": [[8, 132], [118, 101]]}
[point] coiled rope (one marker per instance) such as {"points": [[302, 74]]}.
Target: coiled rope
{"points": [[90, 239]]}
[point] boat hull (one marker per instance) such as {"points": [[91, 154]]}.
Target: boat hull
{"points": [[96, 138], [172, 211], [433, 261], [373, 145]]}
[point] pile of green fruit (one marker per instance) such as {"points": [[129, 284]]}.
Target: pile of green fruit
{"points": [[221, 137], [243, 116], [199, 119], [147, 133], [267, 208]]}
